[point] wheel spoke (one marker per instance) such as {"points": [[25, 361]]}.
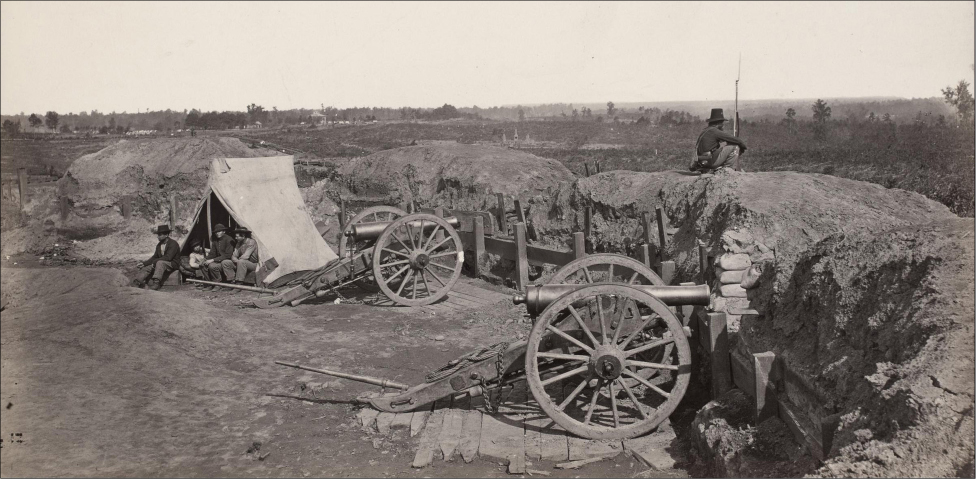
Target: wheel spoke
{"points": [[440, 266], [569, 338], [586, 274], [388, 250], [565, 375], [424, 277], [572, 395], [568, 357], [630, 394], [645, 382], [635, 333], [405, 247], [413, 293], [647, 346], [633, 277], [613, 405], [445, 240], [603, 323], [642, 364], [410, 235], [610, 273], [438, 278], [404, 282], [619, 316], [398, 273], [430, 240], [395, 263], [582, 325], [596, 395]]}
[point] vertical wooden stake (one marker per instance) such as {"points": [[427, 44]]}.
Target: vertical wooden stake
{"points": [[172, 210], [479, 244], [703, 263], [598, 167], [519, 212], [22, 179], [646, 223], [502, 222], [586, 168], [660, 232], [646, 254], [342, 214], [765, 402], [588, 227], [579, 245], [667, 271], [718, 346], [209, 221], [438, 212], [522, 260]]}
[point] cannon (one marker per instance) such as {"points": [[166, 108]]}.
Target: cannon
{"points": [[607, 358], [413, 259]]}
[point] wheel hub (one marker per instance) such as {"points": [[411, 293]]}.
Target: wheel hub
{"points": [[607, 363], [419, 260]]}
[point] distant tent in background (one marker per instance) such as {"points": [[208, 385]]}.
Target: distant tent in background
{"points": [[261, 194]]}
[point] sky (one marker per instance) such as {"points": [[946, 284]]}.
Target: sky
{"points": [[118, 56]]}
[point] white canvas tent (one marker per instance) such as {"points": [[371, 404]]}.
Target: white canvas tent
{"points": [[261, 194]]}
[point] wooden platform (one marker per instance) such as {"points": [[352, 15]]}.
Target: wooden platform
{"points": [[519, 432]]}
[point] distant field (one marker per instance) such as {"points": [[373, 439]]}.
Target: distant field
{"points": [[39, 155], [937, 162]]}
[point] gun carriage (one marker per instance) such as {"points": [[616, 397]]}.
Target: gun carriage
{"points": [[607, 358]]}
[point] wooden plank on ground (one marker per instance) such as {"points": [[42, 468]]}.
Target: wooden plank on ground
{"points": [[450, 437], [419, 420], [367, 417], [501, 437], [401, 421], [544, 439], [580, 448], [651, 449], [470, 435], [430, 437]]}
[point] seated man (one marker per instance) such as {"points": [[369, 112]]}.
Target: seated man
{"points": [[244, 259], [715, 148], [163, 260], [221, 249]]}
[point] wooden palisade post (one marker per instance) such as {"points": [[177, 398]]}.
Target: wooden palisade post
{"points": [[660, 232], [522, 260], [479, 244], [765, 391], [718, 348], [579, 245], [502, 222], [588, 227]]}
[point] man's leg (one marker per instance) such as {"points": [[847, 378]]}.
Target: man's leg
{"points": [[212, 273], [243, 268], [228, 267], [144, 273], [162, 268], [725, 156]]}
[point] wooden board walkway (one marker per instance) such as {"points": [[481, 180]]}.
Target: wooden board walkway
{"points": [[519, 432]]}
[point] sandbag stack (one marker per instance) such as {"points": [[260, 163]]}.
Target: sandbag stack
{"points": [[736, 271]]}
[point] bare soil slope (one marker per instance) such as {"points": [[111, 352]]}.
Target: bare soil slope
{"points": [[467, 175]]}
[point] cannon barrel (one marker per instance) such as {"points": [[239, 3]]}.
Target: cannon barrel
{"points": [[371, 231], [386, 383], [538, 297]]}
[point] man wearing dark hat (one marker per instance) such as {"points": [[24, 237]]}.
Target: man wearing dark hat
{"points": [[221, 249], [164, 259], [244, 259], [715, 148]]}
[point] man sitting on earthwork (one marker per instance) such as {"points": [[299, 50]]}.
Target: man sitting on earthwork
{"points": [[244, 259], [221, 249], [715, 148], [164, 260]]}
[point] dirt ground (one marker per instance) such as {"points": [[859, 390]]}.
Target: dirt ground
{"points": [[101, 379]]}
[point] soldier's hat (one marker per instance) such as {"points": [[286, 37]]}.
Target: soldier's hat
{"points": [[242, 230], [162, 230], [219, 227], [717, 116]]}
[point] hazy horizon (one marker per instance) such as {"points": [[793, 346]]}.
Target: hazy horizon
{"points": [[72, 57]]}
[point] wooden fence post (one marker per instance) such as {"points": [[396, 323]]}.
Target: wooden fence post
{"points": [[765, 405], [588, 227], [342, 214], [598, 167], [479, 244], [519, 213], [646, 254], [172, 211], [718, 348], [579, 245], [703, 263], [22, 179], [209, 241], [502, 222], [660, 232], [438, 212], [522, 260], [586, 168]]}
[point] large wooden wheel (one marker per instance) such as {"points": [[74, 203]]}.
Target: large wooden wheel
{"points": [[586, 357], [606, 268], [417, 259], [348, 247]]}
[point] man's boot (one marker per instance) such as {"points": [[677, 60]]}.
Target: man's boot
{"points": [[155, 284]]}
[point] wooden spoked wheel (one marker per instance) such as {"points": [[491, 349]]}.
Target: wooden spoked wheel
{"points": [[606, 268], [586, 355], [417, 259], [348, 247]]}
